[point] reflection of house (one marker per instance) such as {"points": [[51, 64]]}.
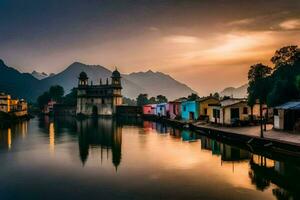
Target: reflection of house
{"points": [[149, 109], [188, 136], [190, 110], [64, 110], [287, 116], [230, 153], [9, 135], [12, 106], [100, 99], [231, 111]]}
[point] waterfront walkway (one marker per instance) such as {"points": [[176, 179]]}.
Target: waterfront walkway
{"points": [[281, 136]]}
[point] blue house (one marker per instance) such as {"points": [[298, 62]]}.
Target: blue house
{"points": [[190, 110], [161, 109]]}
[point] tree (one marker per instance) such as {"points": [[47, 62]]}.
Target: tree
{"points": [[152, 100], [161, 99], [193, 97], [56, 92], [142, 99], [128, 101], [71, 98], [216, 95], [43, 99], [288, 55], [259, 86]]}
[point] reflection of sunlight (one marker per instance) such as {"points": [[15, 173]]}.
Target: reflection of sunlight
{"points": [[24, 129], [51, 137], [9, 138]]}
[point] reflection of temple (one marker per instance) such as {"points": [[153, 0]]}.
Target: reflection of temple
{"points": [[100, 133], [8, 135], [264, 171]]}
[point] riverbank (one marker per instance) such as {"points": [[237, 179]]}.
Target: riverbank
{"points": [[273, 141], [9, 119]]}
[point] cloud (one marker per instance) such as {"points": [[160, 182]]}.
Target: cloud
{"points": [[291, 24], [240, 22], [181, 39]]}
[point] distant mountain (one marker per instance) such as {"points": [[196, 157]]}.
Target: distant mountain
{"points": [[21, 85], [156, 83], [69, 78], [25, 85], [39, 75], [239, 92]]}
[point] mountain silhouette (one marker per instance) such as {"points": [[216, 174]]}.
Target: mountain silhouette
{"points": [[24, 85]]}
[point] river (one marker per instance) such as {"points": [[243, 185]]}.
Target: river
{"points": [[108, 159]]}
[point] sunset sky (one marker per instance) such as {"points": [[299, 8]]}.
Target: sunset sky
{"points": [[207, 44]]}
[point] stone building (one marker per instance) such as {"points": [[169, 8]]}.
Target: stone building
{"points": [[100, 99]]}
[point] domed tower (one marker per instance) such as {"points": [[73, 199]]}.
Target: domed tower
{"points": [[83, 79], [117, 87], [116, 78]]}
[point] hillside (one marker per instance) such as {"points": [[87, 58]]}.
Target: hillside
{"points": [[239, 92]]}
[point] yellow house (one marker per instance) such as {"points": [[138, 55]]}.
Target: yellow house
{"points": [[231, 111], [5, 100], [13, 106], [205, 109]]}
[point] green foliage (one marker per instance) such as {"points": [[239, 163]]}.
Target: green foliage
{"points": [[288, 55], [161, 99], [277, 86], [152, 100], [142, 99], [71, 98], [128, 101], [43, 99], [56, 92], [193, 97]]}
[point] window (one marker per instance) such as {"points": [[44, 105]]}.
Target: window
{"points": [[245, 110], [205, 111], [276, 112], [184, 108]]}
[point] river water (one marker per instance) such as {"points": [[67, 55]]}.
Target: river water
{"points": [[105, 159]]}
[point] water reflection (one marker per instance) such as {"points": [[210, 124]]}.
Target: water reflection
{"points": [[9, 135], [167, 157], [104, 134]]}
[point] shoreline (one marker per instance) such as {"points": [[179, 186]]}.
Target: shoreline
{"points": [[252, 143]]}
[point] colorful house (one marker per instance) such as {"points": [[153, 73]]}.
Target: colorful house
{"points": [[204, 107], [175, 109], [231, 111], [149, 109], [162, 109], [190, 110], [287, 116], [13, 106]]}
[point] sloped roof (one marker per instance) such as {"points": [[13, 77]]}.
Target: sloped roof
{"points": [[292, 105]]}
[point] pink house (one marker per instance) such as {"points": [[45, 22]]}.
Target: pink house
{"points": [[174, 109], [149, 109]]}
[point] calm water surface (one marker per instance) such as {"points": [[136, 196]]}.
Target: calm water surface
{"points": [[105, 159]]}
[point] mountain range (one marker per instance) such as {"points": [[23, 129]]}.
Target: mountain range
{"points": [[30, 86], [40, 75], [239, 92]]}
